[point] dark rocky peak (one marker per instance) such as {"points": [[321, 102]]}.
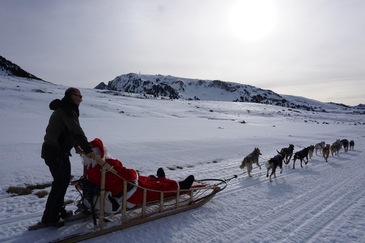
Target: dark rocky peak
{"points": [[12, 69]]}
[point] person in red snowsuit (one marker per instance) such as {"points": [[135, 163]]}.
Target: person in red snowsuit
{"points": [[114, 183]]}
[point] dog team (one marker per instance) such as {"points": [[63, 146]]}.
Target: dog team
{"points": [[286, 154]]}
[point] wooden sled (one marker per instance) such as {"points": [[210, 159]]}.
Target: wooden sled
{"points": [[200, 193]]}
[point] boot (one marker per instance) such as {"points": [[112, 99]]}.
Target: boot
{"points": [[186, 184], [58, 223], [65, 213]]}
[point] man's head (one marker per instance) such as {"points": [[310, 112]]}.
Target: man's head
{"points": [[74, 95]]}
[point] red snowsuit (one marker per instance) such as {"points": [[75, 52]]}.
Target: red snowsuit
{"points": [[114, 183]]}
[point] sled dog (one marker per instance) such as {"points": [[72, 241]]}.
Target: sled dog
{"points": [[301, 155], [311, 150], [345, 144], [287, 152], [273, 163], [253, 157], [319, 146], [352, 145], [336, 147], [326, 152]]}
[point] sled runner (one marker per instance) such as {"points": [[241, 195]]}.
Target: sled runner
{"points": [[169, 203]]}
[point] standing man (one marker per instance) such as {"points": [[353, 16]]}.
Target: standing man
{"points": [[62, 134]]}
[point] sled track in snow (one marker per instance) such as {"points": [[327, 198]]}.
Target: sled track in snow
{"points": [[279, 229], [20, 218]]}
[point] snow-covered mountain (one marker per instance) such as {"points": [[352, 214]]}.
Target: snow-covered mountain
{"points": [[196, 89]]}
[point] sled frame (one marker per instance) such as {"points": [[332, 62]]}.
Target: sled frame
{"points": [[139, 214], [183, 200]]}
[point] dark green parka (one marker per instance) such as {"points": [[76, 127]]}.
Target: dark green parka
{"points": [[63, 131]]}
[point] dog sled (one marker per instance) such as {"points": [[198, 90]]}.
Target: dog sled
{"points": [[169, 203]]}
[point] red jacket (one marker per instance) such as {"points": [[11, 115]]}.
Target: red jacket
{"points": [[114, 183], [160, 184]]}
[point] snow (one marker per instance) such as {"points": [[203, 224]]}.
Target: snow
{"points": [[321, 202]]}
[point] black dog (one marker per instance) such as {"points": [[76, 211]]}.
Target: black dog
{"points": [[352, 145], [345, 144], [274, 162], [301, 155], [287, 152]]}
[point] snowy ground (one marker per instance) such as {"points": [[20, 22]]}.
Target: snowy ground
{"points": [[322, 202]]}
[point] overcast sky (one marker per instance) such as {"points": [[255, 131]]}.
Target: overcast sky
{"points": [[310, 48]]}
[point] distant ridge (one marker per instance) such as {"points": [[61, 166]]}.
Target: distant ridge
{"points": [[12, 69], [196, 89]]}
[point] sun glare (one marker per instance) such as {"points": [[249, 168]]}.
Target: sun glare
{"points": [[252, 20]]}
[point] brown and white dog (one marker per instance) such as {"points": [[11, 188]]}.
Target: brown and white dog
{"points": [[253, 157], [310, 151], [336, 147], [326, 152]]}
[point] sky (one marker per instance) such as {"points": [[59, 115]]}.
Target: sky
{"points": [[319, 203], [312, 48]]}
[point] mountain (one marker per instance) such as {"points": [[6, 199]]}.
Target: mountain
{"points": [[11, 69], [197, 89]]}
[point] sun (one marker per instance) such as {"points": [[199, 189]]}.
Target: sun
{"points": [[252, 20]]}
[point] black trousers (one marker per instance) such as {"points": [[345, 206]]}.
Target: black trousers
{"points": [[61, 172]]}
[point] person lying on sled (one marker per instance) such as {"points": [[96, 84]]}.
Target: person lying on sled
{"points": [[114, 183]]}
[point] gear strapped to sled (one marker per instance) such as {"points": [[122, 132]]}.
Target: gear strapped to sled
{"points": [[89, 195]]}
